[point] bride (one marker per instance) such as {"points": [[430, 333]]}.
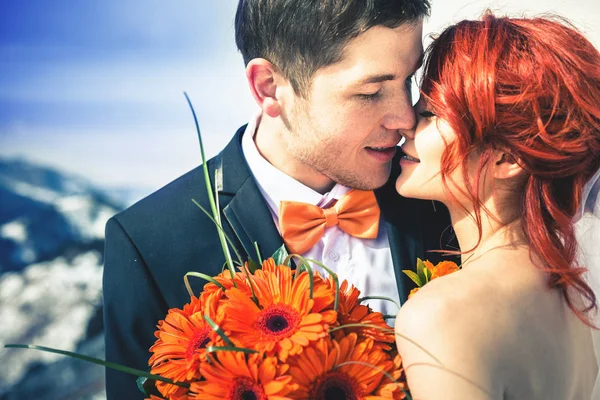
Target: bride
{"points": [[507, 137]]}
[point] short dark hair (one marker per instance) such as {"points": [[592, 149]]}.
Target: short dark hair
{"points": [[301, 36]]}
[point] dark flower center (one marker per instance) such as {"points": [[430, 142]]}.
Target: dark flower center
{"points": [[279, 320], [335, 393], [246, 389], [335, 386], [248, 395], [204, 342], [199, 340], [277, 323]]}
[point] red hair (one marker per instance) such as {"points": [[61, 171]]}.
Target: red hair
{"points": [[529, 88]]}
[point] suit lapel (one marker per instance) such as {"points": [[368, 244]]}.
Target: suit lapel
{"points": [[252, 222], [243, 205]]}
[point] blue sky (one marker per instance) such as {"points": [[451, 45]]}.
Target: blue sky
{"points": [[95, 87]]}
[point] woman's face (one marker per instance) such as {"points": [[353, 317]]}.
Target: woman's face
{"points": [[420, 177]]}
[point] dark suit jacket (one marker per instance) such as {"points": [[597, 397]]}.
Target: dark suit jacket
{"points": [[154, 243]]}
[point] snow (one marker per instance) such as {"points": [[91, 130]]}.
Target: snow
{"points": [[86, 216], [15, 230], [28, 190], [47, 304]]}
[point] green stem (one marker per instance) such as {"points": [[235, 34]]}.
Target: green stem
{"points": [[260, 260], [201, 276], [378, 298], [219, 331], [336, 281], [211, 199], [98, 361], [387, 330], [379, 369]]}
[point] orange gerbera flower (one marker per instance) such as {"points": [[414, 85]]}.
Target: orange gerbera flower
{"points": [[323, 292], [182, 339], [224, 278], [435, 271], [413, 291], [397, 388], [284, 322], [180, 396], [230, 376], [321, 373], [350, 311], [444, 268], [429, 265]]}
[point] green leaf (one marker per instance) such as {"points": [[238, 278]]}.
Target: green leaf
{"points": [[224, 239], [303, 265], [141, 381], [147, 386], [378, 298], [219, 331], [414, 277], [336, 282], [213, 200], [248, 274], [213, 349], [260, 260], [280, 255], [427, 275], [253, 265], [202, 276], [118, 367], [420, 266]]}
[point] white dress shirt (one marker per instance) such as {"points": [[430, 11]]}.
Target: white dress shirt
{"points": [[365, 263]]}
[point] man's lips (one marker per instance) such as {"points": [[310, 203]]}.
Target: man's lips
{"points": [[381, 148], [382, 153]]}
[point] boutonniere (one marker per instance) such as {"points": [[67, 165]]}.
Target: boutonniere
{"points": [[427, 272]]}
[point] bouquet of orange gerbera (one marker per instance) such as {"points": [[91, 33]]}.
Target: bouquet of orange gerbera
{"points": [[276, 333]]}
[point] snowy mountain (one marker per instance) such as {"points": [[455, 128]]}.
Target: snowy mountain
{"points": [[45, 213], [51, 244]]}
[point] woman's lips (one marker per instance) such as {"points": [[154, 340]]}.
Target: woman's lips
{"points": [[407, 158]]}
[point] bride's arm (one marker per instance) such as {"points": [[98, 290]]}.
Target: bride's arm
{"points": [[459, 358]]}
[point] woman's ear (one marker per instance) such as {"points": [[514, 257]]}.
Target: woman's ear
{"points": [[506, 166], [263, 79]]}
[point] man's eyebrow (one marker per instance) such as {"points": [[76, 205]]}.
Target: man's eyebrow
{"points": [[390, 77], [377, 79]]}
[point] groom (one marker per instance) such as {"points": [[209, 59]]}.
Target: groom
{"points": [[333, 83]]}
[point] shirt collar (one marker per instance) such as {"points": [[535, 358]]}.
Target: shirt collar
{"points": [[277, 186]]}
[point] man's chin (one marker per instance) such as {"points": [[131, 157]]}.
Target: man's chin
{"points": [[364, 182]]}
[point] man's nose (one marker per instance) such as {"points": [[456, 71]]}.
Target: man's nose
{"points": [[401, 115]]}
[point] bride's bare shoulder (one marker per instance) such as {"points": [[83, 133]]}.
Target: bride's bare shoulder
{"points": [[467, 320], [466, 303], [476, 300]]}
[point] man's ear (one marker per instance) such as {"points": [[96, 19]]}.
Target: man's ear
{"points": [[263, 79], [506, 166]]}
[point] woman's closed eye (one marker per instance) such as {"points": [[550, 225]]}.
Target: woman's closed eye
{"points": [[426, 114]]}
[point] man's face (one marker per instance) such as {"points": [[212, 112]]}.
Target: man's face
{"points": [[346, 129]]}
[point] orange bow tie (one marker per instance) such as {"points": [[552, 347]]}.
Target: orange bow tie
{"points": [[302, 224]]}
